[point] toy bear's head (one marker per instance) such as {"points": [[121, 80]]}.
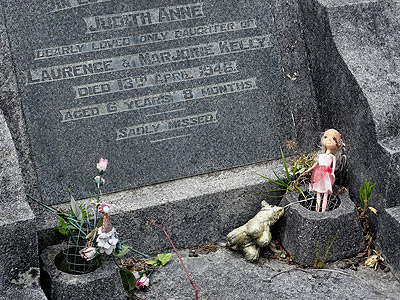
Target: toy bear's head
{"points": [[273, 212]]}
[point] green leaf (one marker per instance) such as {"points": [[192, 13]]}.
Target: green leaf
{"points": [[152, 262], [125, 250], [164, 258], [280, 180], [285, 165], [76, 210], [271, 180], [275, 190], [295, 169], [301, 192], [128, 280]]}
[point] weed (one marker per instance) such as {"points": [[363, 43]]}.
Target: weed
{"points": [[294, 178], [319, 262]]}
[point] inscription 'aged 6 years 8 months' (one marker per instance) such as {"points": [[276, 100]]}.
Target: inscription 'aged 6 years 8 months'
{"points": [[195, 85]]}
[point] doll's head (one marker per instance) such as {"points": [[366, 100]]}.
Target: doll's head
{"points": [[331, 139]]}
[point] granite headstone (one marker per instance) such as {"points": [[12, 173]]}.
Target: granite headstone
{"points": [[163, 89]]}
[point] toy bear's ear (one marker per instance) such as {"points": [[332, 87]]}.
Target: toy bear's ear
{"points": [[263, 203]]}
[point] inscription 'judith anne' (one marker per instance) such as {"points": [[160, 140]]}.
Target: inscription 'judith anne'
{"points": [[144, 17]]}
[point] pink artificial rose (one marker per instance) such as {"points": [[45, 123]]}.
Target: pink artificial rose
{"points": [[102, 165], [142, 282], [88, 253], [101, 209]]}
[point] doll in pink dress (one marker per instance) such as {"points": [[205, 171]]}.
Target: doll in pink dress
{"points": [[323, 177]]}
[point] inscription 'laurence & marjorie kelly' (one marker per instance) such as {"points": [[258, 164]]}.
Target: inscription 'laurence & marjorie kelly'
{"points": [[144, 59], [140, 18]]}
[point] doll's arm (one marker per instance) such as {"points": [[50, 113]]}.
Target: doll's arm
{"points": [[333, 164], [314, 165]]}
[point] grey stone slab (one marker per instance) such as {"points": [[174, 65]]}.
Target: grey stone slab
{"points": [[18, 248], [393, 147], [194, 210], [10, 104], [295, 65], [389, 236], [11, 293], [308, 235], [226, 275], [340, 3], [198, 120], [353, 49]]}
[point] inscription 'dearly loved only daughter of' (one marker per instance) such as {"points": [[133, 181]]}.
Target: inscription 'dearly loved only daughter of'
{"points": [[121, 78]]}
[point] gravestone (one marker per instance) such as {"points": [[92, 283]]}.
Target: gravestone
{"points": [[163, 89]]}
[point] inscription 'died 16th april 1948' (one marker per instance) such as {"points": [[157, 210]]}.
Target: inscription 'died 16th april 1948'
{"points": [[164, 89], [137, 19]]}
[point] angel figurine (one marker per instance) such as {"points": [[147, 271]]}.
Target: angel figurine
{"points": [[323, 177]]}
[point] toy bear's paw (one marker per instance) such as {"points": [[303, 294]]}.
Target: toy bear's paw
{"points": [[264, 239], [251, 253], [255, 227], [238, 236]]}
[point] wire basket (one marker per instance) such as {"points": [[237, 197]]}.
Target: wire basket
{"points": [[75, 264], [310, 202]]}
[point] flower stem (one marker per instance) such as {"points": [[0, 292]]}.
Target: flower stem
{"points": [[180, 259], [115, 262], [138, 252]]}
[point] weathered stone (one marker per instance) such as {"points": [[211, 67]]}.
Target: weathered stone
{"points": [[312, 237], [18, 248], [10, 104], [103, 282], [169, 109], [225, 275], [389, 236], [353, 49], [194, 210]]}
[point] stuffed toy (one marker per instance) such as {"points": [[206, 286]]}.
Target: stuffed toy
{"points": [[255, 234]]}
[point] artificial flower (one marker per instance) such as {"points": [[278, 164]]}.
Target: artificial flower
{"points": [[88, 253], [106, 241], [142, 282], [136, 274], [102, 165], [103, 208]]}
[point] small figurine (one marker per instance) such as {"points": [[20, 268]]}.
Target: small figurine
{"points": [[255, 234], [323, 177]]}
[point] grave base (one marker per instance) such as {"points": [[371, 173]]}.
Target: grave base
{"points": [[102, 283], [194, 210]]}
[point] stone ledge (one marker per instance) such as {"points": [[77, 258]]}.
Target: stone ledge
{"points": [[194, 210], [389, 237]]}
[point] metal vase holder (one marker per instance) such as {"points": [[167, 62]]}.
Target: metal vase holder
{"points": [[75, 263]]}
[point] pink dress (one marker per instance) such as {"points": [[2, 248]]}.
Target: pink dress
{"points": [[322, 179]]}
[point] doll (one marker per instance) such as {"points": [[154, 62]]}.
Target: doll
{"points": [[323, 177]]}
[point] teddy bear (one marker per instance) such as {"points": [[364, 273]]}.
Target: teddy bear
{"points": [[255, 234]]}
